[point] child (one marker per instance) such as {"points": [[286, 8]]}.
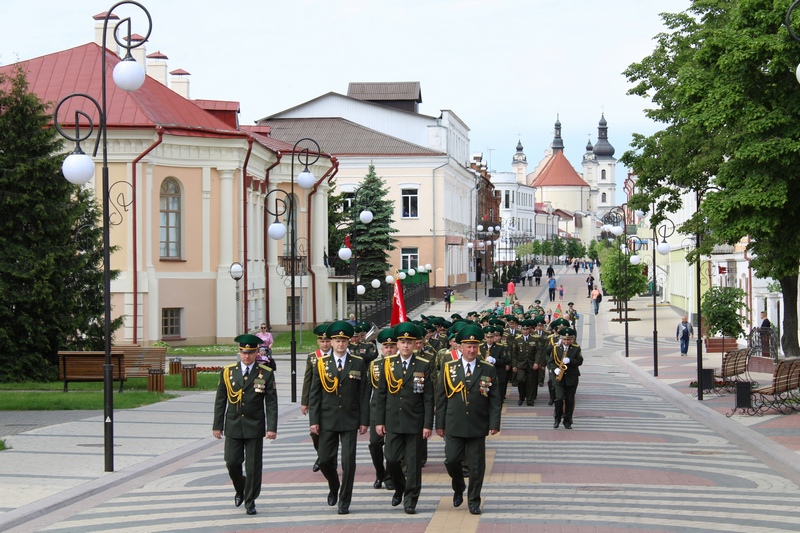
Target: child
{"points": [[561, 292]]}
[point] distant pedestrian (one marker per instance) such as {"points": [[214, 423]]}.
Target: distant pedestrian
{"points": [[591, 266], [684, 332], [589, 285], [561, 292], [537, 275], [511, 290], [550, 271], [597, 297], [448, 298], [551, 287]]}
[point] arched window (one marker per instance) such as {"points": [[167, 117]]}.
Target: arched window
{"points": [[603, 174], [170, 219], [603, 197]]}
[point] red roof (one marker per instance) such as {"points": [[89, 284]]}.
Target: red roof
{"points": [[557, 172], [78, 70]]}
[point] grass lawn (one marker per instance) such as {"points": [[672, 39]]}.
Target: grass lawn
{"points": [[42, 396], [283, 343]]}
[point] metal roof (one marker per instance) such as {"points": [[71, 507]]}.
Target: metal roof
{"points": [[395, 90]]}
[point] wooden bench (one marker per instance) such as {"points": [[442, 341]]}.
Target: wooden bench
{"points": [[140, 359], [781, 395], [734, 369], [88, 366]]}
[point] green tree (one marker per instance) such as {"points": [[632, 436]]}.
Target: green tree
{"points": [[591, 251], [547, 250], [536, 249], [337, 218], [374, 240], [51, 277], [616, 266], [723, 311], [559, 247], [722, 82], [576, 248]]}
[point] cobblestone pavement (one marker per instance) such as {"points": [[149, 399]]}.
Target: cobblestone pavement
{"points": [[644, 455]]}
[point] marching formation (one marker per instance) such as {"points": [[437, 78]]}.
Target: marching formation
{"points": [[448, 376]]}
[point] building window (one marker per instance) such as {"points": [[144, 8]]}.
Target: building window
{"points": [[170, 219], [603, 198], [410, 203], [171, 322], [292, 311], [603, 174], [507, 199], [409, 258]]}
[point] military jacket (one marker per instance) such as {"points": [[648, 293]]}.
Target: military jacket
{"points": [[573, 367], [246, 408], [339, 401], [311, 360], [405, 399], [468, 408]]}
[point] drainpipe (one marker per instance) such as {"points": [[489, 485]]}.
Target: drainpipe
{"points": [[246, 181], [433, 186], [329, 175], [278, 156], [160, 133]]}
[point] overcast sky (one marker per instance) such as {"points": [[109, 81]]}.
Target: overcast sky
{"points": [[507, 68]]}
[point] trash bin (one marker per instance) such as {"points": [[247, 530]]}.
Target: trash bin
{"points": [[155, 380], [189, 377], [174, 366], [743, 398], [708, 379]]}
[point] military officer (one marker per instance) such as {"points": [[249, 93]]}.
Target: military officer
{"points": [[405, 414], [246, 412], [564, 362], [388, 343], [525, 362], [468, 402], [323, 348], [338, 411], [496, 354]]}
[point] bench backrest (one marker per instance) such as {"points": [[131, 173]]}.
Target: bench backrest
{"points": [[734, 363], [140, 359], [794, 376], [88, 366], [780, 378]]}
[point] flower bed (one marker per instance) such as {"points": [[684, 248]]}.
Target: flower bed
{"points": [[210, 369]]}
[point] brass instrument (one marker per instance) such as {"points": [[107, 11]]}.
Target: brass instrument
{"points": [[559, 363]]}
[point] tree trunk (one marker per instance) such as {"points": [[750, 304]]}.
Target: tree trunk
{"points": [[789, 337]]}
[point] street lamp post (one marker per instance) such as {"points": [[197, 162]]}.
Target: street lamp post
{"points": [[471, 245], [78, 168], [346, 253], [237, 272], [665, 230], [277, 230]]}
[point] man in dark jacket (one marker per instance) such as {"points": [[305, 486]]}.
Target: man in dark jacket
{"points": [[246, 412], [338, 411], [468, 407], [564, 363]]}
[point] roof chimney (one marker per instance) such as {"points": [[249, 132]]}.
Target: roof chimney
{"points": [[100, 19], [139, 52], [180, 82], [157, 67]]}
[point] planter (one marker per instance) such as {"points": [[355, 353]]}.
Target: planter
{"points": [[715, 344]]}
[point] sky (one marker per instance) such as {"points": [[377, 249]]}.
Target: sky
{"points": [[507, 68]]}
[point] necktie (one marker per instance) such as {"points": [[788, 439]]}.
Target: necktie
{"points": [[469, 370], [339, 364], [246, 372], [405, 366]]}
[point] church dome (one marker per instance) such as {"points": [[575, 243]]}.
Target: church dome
{"points": [[603, 148]]}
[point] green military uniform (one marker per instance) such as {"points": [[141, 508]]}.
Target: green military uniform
{"points": [[245, 409], [565, 360], [311, 360], [525, 355], [405, 408], [376, 442], [468, 408], [338, 407]]}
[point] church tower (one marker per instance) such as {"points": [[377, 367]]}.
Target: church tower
{"points": [[520, 164], [599, 168]]}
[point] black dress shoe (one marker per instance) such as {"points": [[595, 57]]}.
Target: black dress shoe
{"points": [[551, 402], [530, 404], [377, 484], [556, 423], [333, 497], [397, 497], [520, 402], [315, 468], [411, 510], [458, 499], [251, 509], [238, 499], [343, 510], [474, 509], [568, 425], [389, 484]]}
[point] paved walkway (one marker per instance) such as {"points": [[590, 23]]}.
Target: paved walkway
{"points": [[644, 455]]}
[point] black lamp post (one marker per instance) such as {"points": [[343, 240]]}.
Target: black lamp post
{"points": [[237, 272], [471, 245], [346, 253], [665, 230], [78, 168], [614, 224], [277, 230]]}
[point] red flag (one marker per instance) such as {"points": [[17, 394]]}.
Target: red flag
{"points": [[559, 312], [398, 304]]}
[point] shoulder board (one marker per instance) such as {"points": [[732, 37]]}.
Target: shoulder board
{"points": [[354, 356], [453, 362], [231, 365], [576, 344], [263, 367], [393, 356], [518, 336], [423, 359]]}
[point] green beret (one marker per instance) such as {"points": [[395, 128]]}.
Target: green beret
{"points": [[386, 336], [406, 331], [469, 335], [319, 331], [340, 329], [247, 342]]}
